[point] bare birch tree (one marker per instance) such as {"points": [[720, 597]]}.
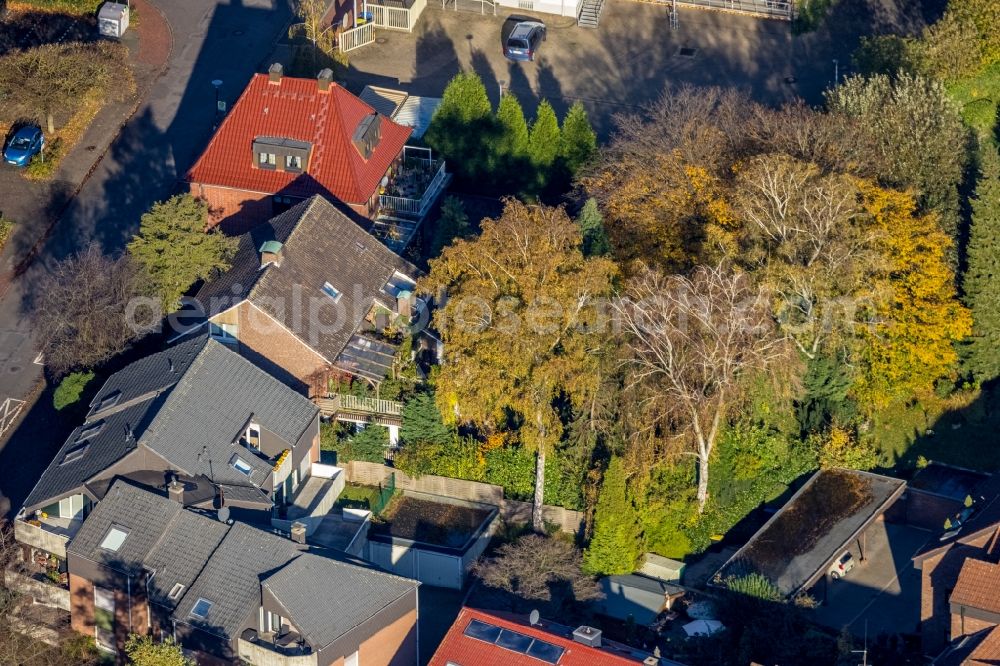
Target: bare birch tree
{"points": [[690, 342]]}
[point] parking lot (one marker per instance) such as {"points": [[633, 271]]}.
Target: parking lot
{"points": [[884, 590], [624, 64]]}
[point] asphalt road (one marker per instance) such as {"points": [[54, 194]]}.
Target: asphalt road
{"points": [[221, 40]]}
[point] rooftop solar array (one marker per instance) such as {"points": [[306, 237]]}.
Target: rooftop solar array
{"points": [[514, 641]]}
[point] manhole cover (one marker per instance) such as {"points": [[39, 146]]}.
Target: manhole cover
{"points": [[14, 368], [238, 33], [687, 52], [381, 40], [91, 147]]}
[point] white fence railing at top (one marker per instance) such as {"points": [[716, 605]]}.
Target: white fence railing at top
{"points": [[417, 207], [355, 38], [396, 18], [779, 9]]}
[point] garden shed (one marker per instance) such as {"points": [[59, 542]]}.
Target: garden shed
{"points": [[827, 517], [112, 19], [636, 596]]}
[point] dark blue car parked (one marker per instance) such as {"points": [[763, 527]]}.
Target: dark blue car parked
{"points": [[25, 144]]}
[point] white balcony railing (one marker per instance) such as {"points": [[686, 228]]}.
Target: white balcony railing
{"points": [[417, 207]]}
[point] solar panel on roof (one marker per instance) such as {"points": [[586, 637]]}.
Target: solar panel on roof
{"points": [[547, 652], [482, 631], [514, 641]]}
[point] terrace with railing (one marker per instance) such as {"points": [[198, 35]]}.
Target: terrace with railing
{"points": [[407, 196]]}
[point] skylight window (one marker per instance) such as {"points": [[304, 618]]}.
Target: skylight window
{"points": [[75, 453], [201, 608], [331, 291], [514, 641], [89, 431], [175, 591], [242, 466], [110, 400], [114, 539]]}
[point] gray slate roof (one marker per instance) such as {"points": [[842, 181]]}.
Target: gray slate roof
{"points": [[187, 403], [320, 244], [320, 595], [227, 564]]}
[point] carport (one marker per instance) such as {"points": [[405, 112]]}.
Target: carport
{"points": [[830, 515]]}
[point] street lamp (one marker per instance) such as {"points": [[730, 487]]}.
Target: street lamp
{"points": [[501, 83], [836, 72], [217, 83]]}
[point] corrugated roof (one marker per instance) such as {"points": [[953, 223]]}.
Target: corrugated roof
{"points": [[384, 100], [312, 589], [296, 109], [416, 112], [320, 245]]}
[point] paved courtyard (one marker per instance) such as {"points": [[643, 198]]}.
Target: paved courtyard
{"points": [[881, 594], [617, 68]]}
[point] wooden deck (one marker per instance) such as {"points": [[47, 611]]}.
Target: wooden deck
{"points": [[352, 409]]}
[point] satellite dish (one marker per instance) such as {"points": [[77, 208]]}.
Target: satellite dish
{"points": [[533, 618], [224, 514]]}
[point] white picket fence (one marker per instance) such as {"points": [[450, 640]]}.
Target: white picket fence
{"points": [[355, 38]]}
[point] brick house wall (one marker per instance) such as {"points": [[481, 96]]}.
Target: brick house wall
{"points": [[963, 625], [131, 615], [938, 575], [395, 645], [238, 211], [270, 346], [81, 605]]}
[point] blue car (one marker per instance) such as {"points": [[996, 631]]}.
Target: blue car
{"points": [[24, 145], [520, 38]]}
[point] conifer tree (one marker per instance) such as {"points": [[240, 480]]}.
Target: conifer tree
{"points": [[543, 143], [595, 239], [463, 127], [579, 143], [452, 224], [514, 167], [982, 277], [617, 542]]}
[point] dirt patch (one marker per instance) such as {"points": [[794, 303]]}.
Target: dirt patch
{"points": [[430, 522], [24, 28]]}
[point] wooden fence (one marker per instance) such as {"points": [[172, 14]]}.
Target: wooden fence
{"points": [[374, 474]]}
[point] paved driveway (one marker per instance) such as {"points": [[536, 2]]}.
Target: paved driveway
{"points": [[883, 592], [622, 65]]}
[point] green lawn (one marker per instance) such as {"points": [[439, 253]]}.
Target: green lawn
{"points": [[82, 7], [358, 497], [978, 97]]}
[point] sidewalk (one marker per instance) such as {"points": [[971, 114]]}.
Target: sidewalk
{"points": [[35, 207]]}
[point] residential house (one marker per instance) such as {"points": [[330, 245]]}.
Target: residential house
{"points": [[960, 574], [286, 139], [196, 418], [479, 637], [143, 563], [310, 295]]}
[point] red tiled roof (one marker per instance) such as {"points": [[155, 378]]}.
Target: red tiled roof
{"points": [[987, 652], [977, 586], [457, 648], [296, 109]]}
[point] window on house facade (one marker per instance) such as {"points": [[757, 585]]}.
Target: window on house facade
{"points": [[331, 291], [273, 622], [352, 659], [266, 160], [114, 539], [253, 435], [224, 333], [71, 507], [104, 618], [293, 163]]}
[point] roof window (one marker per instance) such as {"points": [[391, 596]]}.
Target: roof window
{"points": [[367, 135], [75, 453], [514, 641], [280, 153], [110, 400], [201, 608], [114, 539], [242, 466], [331, 291]]}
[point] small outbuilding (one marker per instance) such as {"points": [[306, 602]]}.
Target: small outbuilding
{"points": [[662, 568], [640, 597], [112, 19]]}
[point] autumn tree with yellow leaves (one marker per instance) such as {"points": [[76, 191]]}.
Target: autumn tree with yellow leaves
{"points": [[522, 325]]}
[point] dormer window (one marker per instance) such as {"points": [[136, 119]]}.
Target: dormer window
{"points": [[367, 135], [253, 435], [281, 153]]}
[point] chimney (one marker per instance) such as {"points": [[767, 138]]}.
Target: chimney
{"points": [[404, 304], [324, 79], [175, 490], [274, 73], [298, 532], [270, 253], [651, 661], [588, 636]]}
